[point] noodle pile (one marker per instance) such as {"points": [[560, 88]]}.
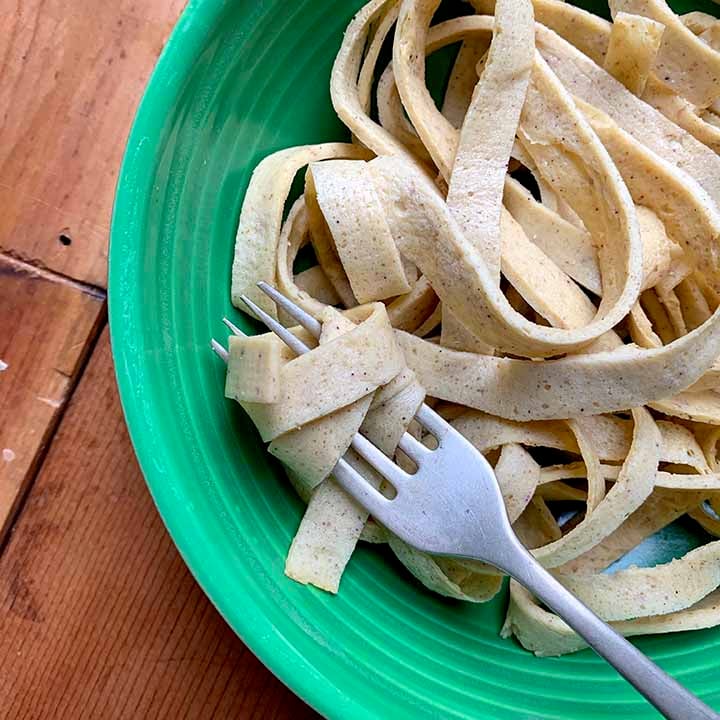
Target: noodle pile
{"points": [[570, 331]]}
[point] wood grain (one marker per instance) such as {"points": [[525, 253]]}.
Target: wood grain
{"points": [[71, 75], [99, 617], [47, 323]]}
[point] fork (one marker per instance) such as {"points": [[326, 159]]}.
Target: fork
{"points": [[452, 506]]}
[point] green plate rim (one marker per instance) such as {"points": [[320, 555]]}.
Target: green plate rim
{"points": [[133, 193], [309, 680]]}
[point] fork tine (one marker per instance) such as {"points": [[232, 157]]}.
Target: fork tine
{"points": [[358, 487], [413, 448], [219, 350], [234, 329], [293, 310], [431, 421], [295, 344], [378, 460]]}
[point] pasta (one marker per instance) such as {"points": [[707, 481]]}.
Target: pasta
{"points": [[538, 257]]}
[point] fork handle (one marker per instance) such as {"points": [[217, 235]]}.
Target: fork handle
{"points": [[664, 692]]}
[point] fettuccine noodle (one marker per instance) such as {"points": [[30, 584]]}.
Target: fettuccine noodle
{"points": [[538, 257]]}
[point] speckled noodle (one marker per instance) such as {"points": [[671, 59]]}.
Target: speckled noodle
{"points": [[572, 334]]}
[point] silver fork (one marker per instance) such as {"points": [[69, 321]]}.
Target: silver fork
{"points": [[452, 506]]}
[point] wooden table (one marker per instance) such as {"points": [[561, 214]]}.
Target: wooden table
{"points": [[99, 617]]}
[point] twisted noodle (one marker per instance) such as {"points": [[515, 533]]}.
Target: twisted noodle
{"points": [[574, 338]]}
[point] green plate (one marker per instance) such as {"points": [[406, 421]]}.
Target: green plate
{"points": [[238, 80]]}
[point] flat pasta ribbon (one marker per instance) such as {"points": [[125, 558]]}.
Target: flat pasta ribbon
{"points": [[537, 257]]}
